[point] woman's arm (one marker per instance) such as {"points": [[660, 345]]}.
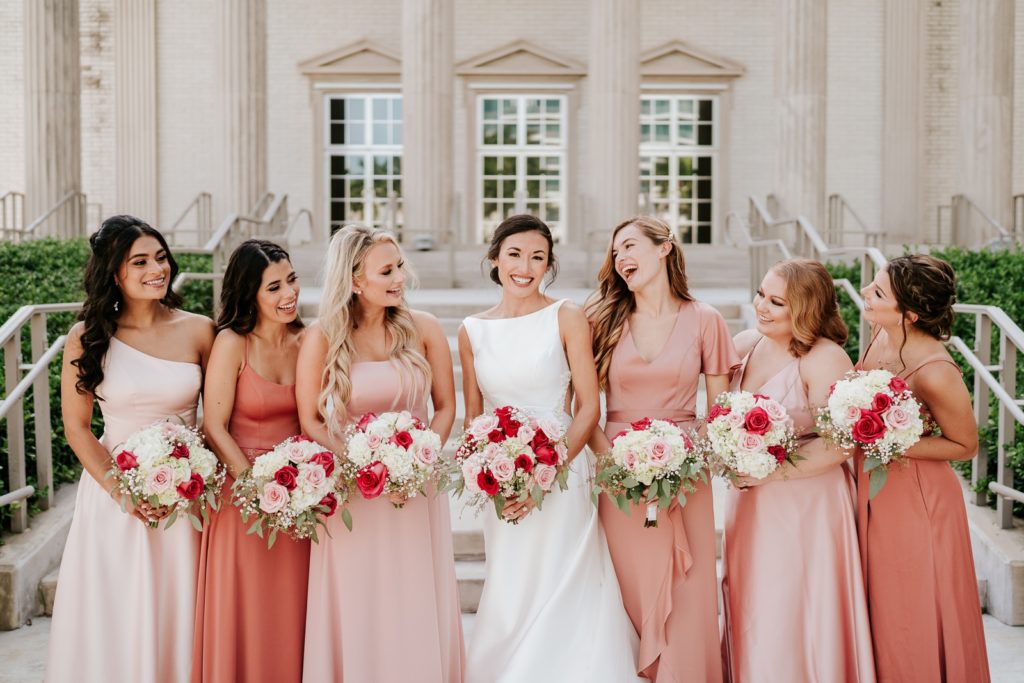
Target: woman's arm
{"points": [[219, 399], [471, 395], [309, 377], [442, 387], [941, 388], [579, 353]]}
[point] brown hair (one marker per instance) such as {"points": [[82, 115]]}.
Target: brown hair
{"points": [[926, 286], [813, 306], [513, 225], [612, 303]]}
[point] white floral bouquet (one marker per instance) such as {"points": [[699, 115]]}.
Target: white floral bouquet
{"points": [[292, 489], [392, 453], [873, 410], [653, 461], [167, 465], [749, 434], [509, 455]]}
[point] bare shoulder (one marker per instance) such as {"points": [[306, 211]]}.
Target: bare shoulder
{"points": [[745, 340], [197, 324], [827, 351], [825, 361], [489, 314], [426, 322], [76, 332], [571, 317], [314, 334], [229, 340], [936, 377]]}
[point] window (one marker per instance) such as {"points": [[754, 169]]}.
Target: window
{"points": [[364, 160], [522, 158], [678, 155]]}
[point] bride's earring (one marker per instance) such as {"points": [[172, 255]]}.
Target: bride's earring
{"points": [[117, 306]]}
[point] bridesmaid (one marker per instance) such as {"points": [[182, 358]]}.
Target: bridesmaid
{"points": [[914, 542], [124, 604], [652, 341], [251, 606], [795, 608], [383, 602]]}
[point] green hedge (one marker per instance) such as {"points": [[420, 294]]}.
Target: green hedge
{"points": [[995, 278], [50, 271]]}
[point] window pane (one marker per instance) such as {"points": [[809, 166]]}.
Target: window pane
{"points": [[661, 166], [396, 108], [396, 165], [553, 134], [554, 106], [685, 165], [337, 165], [704, 211], [380, 134], [338, 109], [704, 189], [337, 211], [685, 189], [490, 134], [380, 188], [355, 165], [533, 134], [356, 108], [532, 106], [553, 213], [490, 165], [508, 134], [397, 134], [704, 233], [490, 189], [661, 133], [380, 109], [490, 110], [380, 165], [645, 107], [533, 189], [355, 212], [552, 188], [508, 165], [705, 110], [508, 189], [685, 108], [490, 209], [704, 135], [337, 187], [704, 166], [337, 134], [551, 166], [661, 107], [686, 133], [509, 107], [645, 132], [354, 134]]}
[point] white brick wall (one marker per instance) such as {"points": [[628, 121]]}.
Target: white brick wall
{"points": [[940, 109], [97, 64], [1018, 99], [12, 97]]}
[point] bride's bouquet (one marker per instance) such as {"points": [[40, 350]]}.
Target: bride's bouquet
{"points": [[166, 464], [749, 434], [392, 454], [290, 489], [509, 455], [653, 461], [873, 410]]}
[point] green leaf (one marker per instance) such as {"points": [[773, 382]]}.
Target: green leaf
{"points": [[256, 528], [272, 539], [346, 518], [879, 476], [871, 464], [623, 504], [499, 505], [664, 502], [681, 498], [170, 518], [195, 522], [595, 496], [630, 482]]}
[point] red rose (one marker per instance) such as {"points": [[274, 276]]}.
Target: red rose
{"points": [[641, 424], [126, 460], [286, 476], [524, 463], [180, 451], [869, 428], [329, 502], [779, 452], [762, 396], [897, 384], [718, 411], [191, 489], [371, 478], [301, 437], [880, 403], [403, 439], [688, 442], [504, 411], [487, 483], [496, 436], [546, 455], [509, 426], [325, 459], [622, 433], [364, 421], [540, 439], [757, 421], [417, 423]]}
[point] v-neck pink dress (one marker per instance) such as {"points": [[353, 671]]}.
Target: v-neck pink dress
{"points": [[667, 573], [795, 605]]}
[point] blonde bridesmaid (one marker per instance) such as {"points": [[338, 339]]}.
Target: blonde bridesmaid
{"points": [[124, 605], [383, 602], [652, 342], [914, 540], [795, 608], [251, 601]]}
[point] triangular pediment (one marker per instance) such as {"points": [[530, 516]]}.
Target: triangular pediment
{"points": [[677, 59], [363, 57], [521, 58]]}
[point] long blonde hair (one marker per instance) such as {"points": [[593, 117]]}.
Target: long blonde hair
{"points": [[346, 259], [813, 304], [612, 304]]}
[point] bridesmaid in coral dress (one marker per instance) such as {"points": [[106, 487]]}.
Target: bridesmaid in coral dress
{"points": [[652, 342], [383, 602], [251, 602], [914, 541], [124, 604], [795, 608]]}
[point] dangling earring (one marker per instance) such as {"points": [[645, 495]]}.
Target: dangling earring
{"points": [[117, 306]]}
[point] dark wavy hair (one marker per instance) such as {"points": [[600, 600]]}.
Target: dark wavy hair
{"points": [[242, 279], [513, 225], [926, 286], [111, 246]]}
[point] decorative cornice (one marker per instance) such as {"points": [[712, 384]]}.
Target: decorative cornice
{"points": [[520, 58], [676, 59], [363, 57]]}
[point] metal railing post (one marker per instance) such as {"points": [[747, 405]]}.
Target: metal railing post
{"points": [[15, 430], [983, 350], [41, 405], [1007, 429]]}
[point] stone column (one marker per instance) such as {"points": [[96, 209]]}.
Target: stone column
{"points": [[902, 149], [800, 75], [135, 117], [985, 130], [613, 83], [427, 154], [243, 81], [53, 130]]}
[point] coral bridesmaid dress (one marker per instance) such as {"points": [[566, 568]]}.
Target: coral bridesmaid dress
{"points": [[667, 573], [251, 602], [922, 590], [795, 608], [383, 602], [124, 608]]}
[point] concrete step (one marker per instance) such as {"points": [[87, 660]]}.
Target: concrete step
{"points": [[470, 577], [48, 591]]}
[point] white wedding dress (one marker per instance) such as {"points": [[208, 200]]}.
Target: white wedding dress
{"points": [[551, 608]]}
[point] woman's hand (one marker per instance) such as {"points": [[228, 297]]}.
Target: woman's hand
{"points": [[516, 510]]}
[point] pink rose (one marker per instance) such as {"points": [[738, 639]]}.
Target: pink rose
{"points": [[553, 428], [470, 471], [897, 418], [404, 421], [775, 411], [658, 451], [734, 419], [751, 442], [426, 455], [365, 421], [374, 440], [852, 414], [503, 469], [482, 426], [312, 476], [544, 475], [492, 451], [562, 450], [526, 434], [629, 460], [273, 498], [159, 480], [296, 453]]}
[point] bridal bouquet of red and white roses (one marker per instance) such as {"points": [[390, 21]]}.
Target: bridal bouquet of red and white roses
{"points": [[393, 454], [509, 455], [749, 434], [166, 464], [653, 461], [872, 409], [290, 488]]}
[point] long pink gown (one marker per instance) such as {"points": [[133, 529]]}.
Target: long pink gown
{"points": [[383, 602], [795, 606], [667, 573], [124, 608]]}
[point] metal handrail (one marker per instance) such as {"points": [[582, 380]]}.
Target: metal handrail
{"points": [[64, 230], [202, 204], [290, 232], [836, 230], [12, 213], [963, 210], [1018, 215]]}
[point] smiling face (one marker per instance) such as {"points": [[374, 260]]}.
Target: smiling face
{"points": [[880, 305], [638, 259], [522, 263], [773, 311], [381, 280], [278, 297], [146, 272]]}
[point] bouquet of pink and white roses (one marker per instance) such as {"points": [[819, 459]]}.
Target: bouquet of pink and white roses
{"points": [[509, 455], [653, 461], [292, 489], [749, 434], [872, 409], [166, 464], [392, 453]]}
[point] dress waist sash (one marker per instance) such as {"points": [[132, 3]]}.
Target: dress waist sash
{"points": [[677, 416]]}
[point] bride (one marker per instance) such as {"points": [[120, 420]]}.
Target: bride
{"points": [[551, 608]]}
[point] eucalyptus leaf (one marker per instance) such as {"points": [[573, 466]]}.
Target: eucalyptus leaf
{"points": [[170, 518], [879, 476], [346, 518], [272, 539], [195, 522]]}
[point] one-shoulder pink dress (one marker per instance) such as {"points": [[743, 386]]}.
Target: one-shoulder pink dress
{"points": [[383, 602], [795, 606], [667, 573]]}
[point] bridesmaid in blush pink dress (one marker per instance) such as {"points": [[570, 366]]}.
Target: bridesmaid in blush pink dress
{"points": [[383, 602], [652, 342], [795, 608]]}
